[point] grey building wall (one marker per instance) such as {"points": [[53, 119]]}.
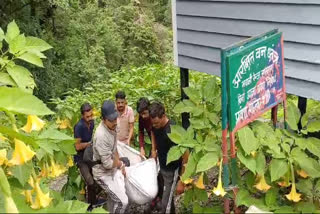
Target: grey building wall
{"points": [[202, 27]]}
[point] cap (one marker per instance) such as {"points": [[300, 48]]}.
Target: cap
{"points": [[108, 110]]}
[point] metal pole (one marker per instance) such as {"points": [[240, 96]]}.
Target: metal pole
{"points": [[274, 115], [302, 105], [184, 82]]}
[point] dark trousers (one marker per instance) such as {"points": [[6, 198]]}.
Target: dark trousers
{"points": [[169, 179], [87, 176]]}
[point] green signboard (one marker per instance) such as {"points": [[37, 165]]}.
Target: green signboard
{"points": [[254, 78], [253, 81]]}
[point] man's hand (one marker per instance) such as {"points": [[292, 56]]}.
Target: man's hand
{"points": [[142, 152], [154, 154], [180, 188], [123, 170]]}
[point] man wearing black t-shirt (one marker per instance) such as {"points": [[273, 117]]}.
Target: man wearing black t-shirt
{"points": [[160, 147], [83, 135]]}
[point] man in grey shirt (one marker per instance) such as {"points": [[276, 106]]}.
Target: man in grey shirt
{"points": [[111, 172]]}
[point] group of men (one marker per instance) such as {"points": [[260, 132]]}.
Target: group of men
{"points": [[117, 126]]}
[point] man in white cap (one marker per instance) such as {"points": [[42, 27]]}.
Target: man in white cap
{"points": [[109, 174]]}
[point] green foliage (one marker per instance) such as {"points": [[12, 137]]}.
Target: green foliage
{"points": [[31, 156], [156, 82], [91, 39], [282, 152], [18, 101]]}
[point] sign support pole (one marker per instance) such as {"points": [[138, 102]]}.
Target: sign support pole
{"points": [[224, 146], [184, 82], [253, 81]]}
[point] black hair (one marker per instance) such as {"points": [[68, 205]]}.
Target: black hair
{"points": [[143, 104], [85, 108], [120, 95], [156, 109]]}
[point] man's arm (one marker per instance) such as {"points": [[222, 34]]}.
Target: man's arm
{"points": [[80, 146], [153, 146], [141, 137], [180, 184], [131, 125], [109, 159]]}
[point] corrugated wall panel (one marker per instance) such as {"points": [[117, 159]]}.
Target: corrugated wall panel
{"points": [[203, 27], [303, 2], [309, 34], [285, 13], [293, 51]]}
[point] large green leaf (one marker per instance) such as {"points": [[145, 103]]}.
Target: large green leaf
{"points": [[187, 197], [22, 77], [211, 145], [271, 197], [190, 167], [13, 134], [177, 134], [36, 44], [12, 31], [317, 189], [1, 35], [17, 44], [67, 147], [305, 119], [197, 111], [306, 207], [200, 195], [260, 163], [244, 198], [4, 184], [314, 126], [49, 146], [22, 172], [31, 58], [193, 94], [248, 161], [17, 101], [301, 142], [54, 135], [208, 161], [311, 166], [247, 140], [305, 186], [293, 116], [180, 108], [174, 154], [285, 209], [5, 79], [197, 123], [278, 167], [209, 90], [313, 145]]}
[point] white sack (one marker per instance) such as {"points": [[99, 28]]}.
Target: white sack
{"points": [[141, 177], [141, 181], [132, 154]]}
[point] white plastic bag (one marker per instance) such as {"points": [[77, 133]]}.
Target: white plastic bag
{"points": [[141, 181], [132, 154], [141, 177], [254, 209]]}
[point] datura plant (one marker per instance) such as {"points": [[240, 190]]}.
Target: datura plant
{"points": [[282, 156], [279, 169], [33, 153]]}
